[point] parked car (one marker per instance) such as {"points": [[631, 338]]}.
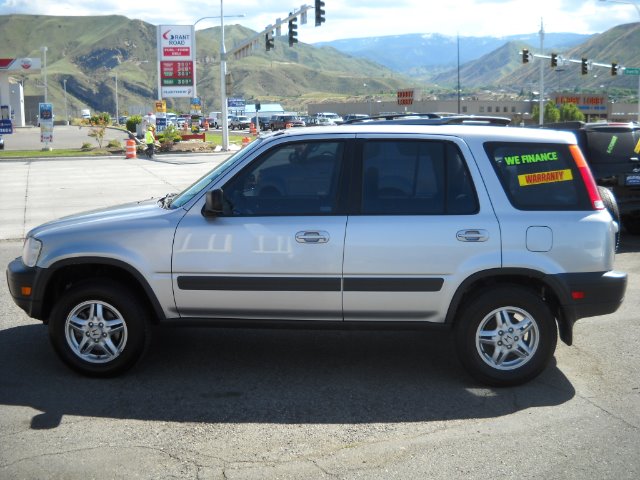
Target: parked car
{"points": [[497, 233], [239, 122], [337, 119], [323, 121], [281, 122], [612, 150], [354, 117]]}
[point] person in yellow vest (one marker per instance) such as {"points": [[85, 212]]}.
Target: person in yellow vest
{"points": [[150, 140]]}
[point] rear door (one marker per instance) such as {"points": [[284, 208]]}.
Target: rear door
{"points": [[425, 224]]}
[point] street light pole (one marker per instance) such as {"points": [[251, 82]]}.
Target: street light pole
{"points": [[44, 72], [223, 74], [223, 85], [541, 99], [117, 109], [66, 110]]}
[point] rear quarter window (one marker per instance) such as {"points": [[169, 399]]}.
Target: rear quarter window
{"points": [[539, 176]]}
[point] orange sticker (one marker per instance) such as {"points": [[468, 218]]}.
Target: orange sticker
{"points": [[545, 177]]}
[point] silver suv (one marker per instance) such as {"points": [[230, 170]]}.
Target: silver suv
{"points": [[497, 233]]}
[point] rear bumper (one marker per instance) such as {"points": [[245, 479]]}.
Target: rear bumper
{"points": [[593, 294], [588, 295]]}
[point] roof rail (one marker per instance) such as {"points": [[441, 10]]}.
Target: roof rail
{"points": [[392, 116], [432, 119]]}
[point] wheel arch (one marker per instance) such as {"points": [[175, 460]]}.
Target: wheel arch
{"points": [[65, 273], [541, 284]]}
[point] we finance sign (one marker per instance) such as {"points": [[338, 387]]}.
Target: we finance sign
{"points": [[176, 42]]}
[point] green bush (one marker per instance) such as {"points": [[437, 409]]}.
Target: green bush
{"points": [[114, 144], [170, 134], [100, 119], [132, 121], [86, 146]]}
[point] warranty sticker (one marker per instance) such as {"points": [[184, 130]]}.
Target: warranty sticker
{"points": [[545, 177]]}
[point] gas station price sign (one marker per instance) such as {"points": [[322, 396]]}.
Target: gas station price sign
{"points": [[176, 73]]}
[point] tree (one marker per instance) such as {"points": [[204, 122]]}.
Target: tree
{"points": [[570, 112], [551, 113]]}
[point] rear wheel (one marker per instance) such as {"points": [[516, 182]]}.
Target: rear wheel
{"points": [[609, 200], [99, 328], [505, 336]]}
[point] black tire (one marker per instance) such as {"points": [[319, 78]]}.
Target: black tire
{"points": [[110, 331], [520, 336], [609, 200]]}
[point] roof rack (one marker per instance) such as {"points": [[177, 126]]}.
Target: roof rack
{"points": [[432, 119]]}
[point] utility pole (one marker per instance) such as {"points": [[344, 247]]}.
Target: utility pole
{"points": [[541, 99]]}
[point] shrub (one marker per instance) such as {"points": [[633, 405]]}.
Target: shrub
{"points": [[100, 119], [98, 131], [132, 121], [170, 134], [86, 146], [113, 143]]}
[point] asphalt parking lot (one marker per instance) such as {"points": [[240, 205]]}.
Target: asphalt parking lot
{"points": [[254, 404]]}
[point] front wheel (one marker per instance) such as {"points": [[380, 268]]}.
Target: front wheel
{"points": [[99, 328], [505, 336]]}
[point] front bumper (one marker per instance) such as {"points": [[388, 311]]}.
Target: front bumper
{"points": [[22, 282]]}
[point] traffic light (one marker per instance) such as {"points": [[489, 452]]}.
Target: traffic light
{"points": [[526, 55], [319, 13], [293, 31], [584, 67], [614, 69], [268, 40], [554, 60]]}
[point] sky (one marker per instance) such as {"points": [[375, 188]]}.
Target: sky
{"points": [[362, 18]]}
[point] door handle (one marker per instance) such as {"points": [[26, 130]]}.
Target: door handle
{"points": [[312, 236], [472, 235]]}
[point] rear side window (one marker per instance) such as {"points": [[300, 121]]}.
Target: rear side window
{"points": [[539, 176], [613, 144], [404, 177]]}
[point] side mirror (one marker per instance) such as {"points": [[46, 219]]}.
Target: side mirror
{"points": [[213, 203]]}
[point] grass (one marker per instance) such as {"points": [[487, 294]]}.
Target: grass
{"points": [[215, 138], [68, 152]]}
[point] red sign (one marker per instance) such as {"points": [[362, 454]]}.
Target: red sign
{"points": [[176, 73], [405, 97], [176, 52]]}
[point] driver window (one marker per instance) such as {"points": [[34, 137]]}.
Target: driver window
{"points": [[292, 179]]}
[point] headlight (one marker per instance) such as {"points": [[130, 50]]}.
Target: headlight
{"points": [[31, 251]]}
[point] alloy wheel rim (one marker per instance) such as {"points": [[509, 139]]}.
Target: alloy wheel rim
{"points": [[507, 338], [96, 332]]}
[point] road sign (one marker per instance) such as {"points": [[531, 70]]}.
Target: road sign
{"points": [[632, 71]]}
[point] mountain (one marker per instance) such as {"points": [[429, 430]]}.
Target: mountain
{"points": [[415, 53], [90, 52], [503, 68]]}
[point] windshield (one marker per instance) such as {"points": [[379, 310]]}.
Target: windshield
{"points": [[182, 198]]}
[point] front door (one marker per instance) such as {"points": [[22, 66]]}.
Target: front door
{"points": [[276, 250]]}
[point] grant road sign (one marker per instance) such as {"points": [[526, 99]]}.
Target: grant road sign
{"points": [[632, 71]]}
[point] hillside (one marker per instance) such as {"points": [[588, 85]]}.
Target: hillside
{"points": [[415, 54], [88, 52], [503, 67]]}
